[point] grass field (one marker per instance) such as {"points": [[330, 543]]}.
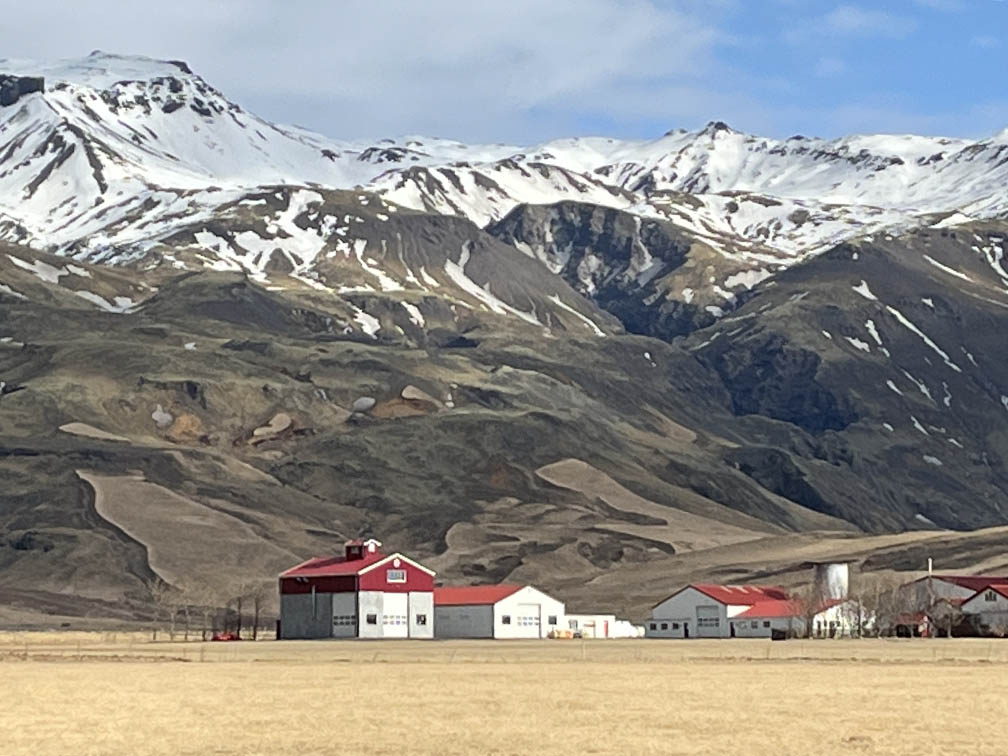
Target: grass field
{"points": [[95, 694]]}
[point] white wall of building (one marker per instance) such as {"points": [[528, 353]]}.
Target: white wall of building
{"points": [[421, 614], [763, 627], [468, 621], [989, 611], [691, 614], [369, 614], [591, 625], [527, 613]]}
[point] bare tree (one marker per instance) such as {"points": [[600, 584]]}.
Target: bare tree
{"points": [[807, 602], [160, 598], [946, 616], [885, 603]]}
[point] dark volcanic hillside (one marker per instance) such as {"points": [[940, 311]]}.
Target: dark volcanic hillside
{"points": [[222, 403]]}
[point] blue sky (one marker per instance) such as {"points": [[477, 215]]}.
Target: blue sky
{"points": [[524, 71]]}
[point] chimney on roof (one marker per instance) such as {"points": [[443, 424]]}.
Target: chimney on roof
{"points": [[358, 549]]}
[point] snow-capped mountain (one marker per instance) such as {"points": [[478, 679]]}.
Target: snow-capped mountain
{"points": [[110, 134], [134, 161]]}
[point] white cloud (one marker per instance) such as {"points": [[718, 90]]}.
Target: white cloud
{"points": [[985, 41], [479, 69], [852, 19]]}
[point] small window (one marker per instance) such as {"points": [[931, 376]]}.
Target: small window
{"points": [[573, 624], [551, 619], [754, 624], [664, 625], [421, 619], [675, 625], [654, 626], [372, 619], [506, 619], [395, 576], [766, 623], [990, 596]]}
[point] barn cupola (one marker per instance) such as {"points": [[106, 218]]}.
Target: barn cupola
{"points": [[359, 549]]}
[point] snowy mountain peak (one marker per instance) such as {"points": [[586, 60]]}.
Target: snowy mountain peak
{"points": [[99, 70]]}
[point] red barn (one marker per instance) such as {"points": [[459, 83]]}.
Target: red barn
{"points": [[361, 594]]}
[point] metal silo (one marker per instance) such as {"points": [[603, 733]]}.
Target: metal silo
{"points": [[832, 579]]}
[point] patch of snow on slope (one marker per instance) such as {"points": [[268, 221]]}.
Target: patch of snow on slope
{"points": [[368, 323], [385, 281], [873, 331], [955, 219], [104, 304], [858, 344], [747, 278], [864, 291], [5, 289], [555, 299], [42, 270], [947, 269], [456, 272], [924, 337], [414, 314], [921, 386]]}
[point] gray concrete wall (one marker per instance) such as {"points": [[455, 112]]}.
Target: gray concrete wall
{"points": [[463, 621], [306, 615]]}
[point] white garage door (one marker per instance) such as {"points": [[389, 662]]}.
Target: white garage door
{"points": [[527, 620], [395, 617], [708, 621]]}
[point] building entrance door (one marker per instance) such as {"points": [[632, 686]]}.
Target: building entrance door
{"points": [[395, 615]]}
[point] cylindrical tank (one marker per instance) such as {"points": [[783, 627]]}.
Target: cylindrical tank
{"points": [[832, 580]]}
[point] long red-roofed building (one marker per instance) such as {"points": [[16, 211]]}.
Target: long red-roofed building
{"points": [[708, 610], [362, 593]]}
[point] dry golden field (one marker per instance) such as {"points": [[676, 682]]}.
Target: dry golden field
{"points": [[99, 694]]}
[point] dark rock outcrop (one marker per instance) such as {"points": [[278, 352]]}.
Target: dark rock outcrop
{"points": [[13, 88]]}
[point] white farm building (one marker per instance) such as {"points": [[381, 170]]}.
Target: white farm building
{"points": [[988, 609], [706, 610], [495, 611]]}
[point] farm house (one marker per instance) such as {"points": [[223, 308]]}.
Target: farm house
{"points": [[988, 609], [495, 611], [961, 587], [361, 594]]}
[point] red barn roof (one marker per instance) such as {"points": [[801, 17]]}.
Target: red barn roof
{"points": [[972, 582], [741, 594], [472, 595], [783, 608], [330, 566], [768, 609], [737, 595]]}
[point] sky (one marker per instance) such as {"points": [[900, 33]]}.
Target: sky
{"points": [[525, 71]]}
